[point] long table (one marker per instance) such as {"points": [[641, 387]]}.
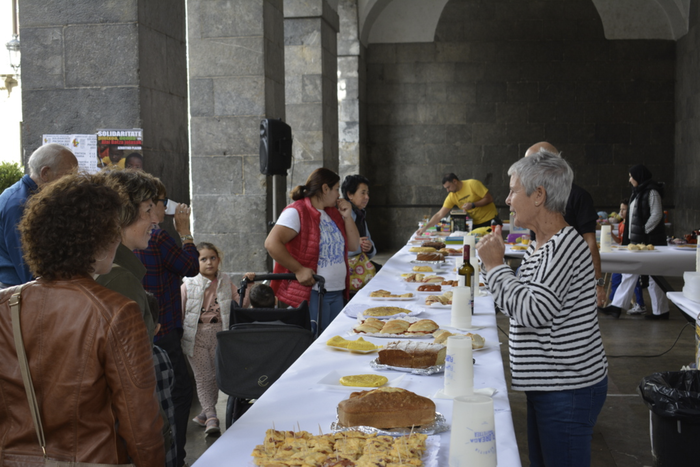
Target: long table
{"points": [[686, 305], [663, 261], [299, 401]]}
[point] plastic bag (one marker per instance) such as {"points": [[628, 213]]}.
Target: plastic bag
{"points": [[674, 394]]}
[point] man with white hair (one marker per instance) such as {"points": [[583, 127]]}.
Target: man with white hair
{"points": [[48, 163]]}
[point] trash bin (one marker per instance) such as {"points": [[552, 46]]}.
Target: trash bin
{"points": [[673, 399]]}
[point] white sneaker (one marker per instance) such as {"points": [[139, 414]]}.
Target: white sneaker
{"points": [[637, 310]]}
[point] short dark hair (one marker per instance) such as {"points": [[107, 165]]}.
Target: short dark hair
{"points": [[67, 223], [135, 187], [625, 201], [351, 184], [449, 177], [133, 155], [262, 296]]}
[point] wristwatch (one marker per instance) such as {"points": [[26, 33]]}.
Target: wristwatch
{"points": [[185, 238], [600, 282]]}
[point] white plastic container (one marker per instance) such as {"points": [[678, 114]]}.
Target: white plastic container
{"points": [[691, 289]]}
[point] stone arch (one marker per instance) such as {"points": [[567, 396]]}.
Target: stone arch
{"points": [[401, 21]]}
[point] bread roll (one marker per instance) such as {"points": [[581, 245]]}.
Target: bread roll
{"points": [[370, 325], [386, 408], [429, 288], [395, 326], [423, 326]]}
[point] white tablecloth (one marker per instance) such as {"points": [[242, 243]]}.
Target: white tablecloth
{"points": [[297, 400], [663, 261], [688, 306]]}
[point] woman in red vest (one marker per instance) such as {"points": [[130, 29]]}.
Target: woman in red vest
{"points": [[313, 236]]}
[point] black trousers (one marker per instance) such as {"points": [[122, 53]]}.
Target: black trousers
{"points": [[182, 389], [488, 223]]}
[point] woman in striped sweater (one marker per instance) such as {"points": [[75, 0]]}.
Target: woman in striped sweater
{"points": [[556, 351]]}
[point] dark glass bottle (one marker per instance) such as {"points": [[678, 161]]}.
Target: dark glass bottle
{"points": [[467, 271]]}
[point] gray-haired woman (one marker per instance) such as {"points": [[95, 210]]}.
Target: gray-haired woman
{"points": [[556, 351]]}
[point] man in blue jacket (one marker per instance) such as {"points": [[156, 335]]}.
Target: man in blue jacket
{"points": [[48, 163]]}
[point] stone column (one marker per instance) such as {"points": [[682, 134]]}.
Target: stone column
{"points": [[311, 66], [236, 71], [351, 91], [108, 64]]}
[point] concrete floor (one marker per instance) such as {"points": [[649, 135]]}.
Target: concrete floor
{"points": [[621, 437]]}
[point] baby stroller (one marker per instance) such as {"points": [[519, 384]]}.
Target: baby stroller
{"points": [[259, 346]]}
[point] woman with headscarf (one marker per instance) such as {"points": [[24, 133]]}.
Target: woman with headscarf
{"points": [[556, 351], [644, 225]]}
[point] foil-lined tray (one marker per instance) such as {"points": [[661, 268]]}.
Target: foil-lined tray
{"points": [[440, 425], [415, 261], [374, 364]]}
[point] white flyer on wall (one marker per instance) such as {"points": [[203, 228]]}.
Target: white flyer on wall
{"points": [[83, 146]]}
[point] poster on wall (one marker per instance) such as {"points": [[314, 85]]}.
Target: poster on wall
{"points": [[83, 146], [120, 148]]}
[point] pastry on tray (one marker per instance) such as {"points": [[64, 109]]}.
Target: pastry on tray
{"points": [[441, 336], [411, 354], [434, 256], [385, 311], [388, 407]]}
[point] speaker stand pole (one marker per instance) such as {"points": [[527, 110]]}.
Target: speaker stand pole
{"points": [[274, 199]]}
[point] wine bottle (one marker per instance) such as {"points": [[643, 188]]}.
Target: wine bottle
{"points": [[467, 271]]}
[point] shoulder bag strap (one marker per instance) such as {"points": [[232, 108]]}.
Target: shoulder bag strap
{"points": [[24, 367]]}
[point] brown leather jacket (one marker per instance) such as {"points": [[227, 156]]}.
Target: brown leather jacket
{"points": [[92, 367]]}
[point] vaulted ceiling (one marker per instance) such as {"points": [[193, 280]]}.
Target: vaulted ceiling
{"points": [[396, 21]]}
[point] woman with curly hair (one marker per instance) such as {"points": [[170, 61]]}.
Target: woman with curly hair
{"points": [[87, 347]]}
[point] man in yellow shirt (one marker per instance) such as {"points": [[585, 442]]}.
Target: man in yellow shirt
{"points": [[470, 196]]}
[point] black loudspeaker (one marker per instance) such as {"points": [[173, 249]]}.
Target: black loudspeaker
{"points": [[275, 147]]}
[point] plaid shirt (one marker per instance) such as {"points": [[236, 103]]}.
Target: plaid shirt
{"points": [[165, 377], [166, 263]]}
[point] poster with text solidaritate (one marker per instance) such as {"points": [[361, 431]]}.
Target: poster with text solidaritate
{"points": [[120, 148]]}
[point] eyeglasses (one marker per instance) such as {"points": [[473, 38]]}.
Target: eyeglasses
{"points": [[164, 201]]}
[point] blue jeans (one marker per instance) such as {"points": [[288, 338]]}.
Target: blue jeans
{"points": [[615, 283], [333, 303], [560, 425]]}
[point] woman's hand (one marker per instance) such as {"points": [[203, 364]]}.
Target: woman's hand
{"points": [[250, 276], [365, 244], [182, 219], [305, 277], [344, 207], [491, 248]]}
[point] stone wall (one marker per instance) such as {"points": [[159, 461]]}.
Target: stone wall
{"points": [[351, 135], [687, 175], [236, 71], [109, 64], [500, 76], [311, 85]]}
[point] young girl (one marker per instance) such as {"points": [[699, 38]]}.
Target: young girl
{"points": [[206, 304]]}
